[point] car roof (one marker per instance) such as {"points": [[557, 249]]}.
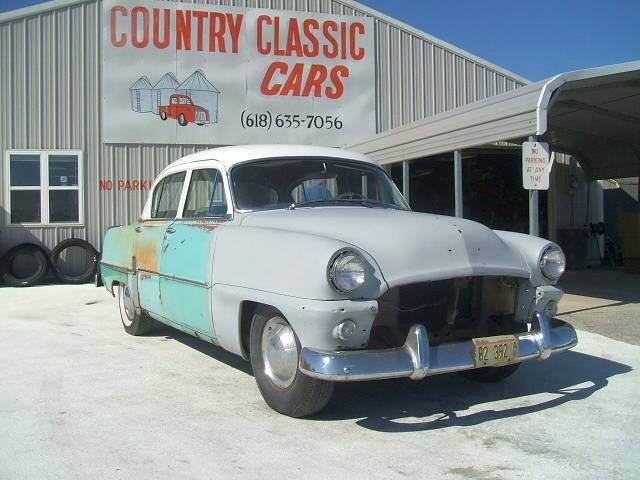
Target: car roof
{"points": [[230, 156]]}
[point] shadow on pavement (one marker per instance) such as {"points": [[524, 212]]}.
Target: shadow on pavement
{"points": [[204, 347], [402, 405], [405, 406]]}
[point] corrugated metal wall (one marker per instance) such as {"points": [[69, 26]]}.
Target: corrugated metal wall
{"points": [[50, 99]]}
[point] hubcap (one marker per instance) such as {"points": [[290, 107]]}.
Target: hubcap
{"points": [[129, 308], [279, 352]]}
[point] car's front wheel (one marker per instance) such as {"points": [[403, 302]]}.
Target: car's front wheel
{"points": [[275, 351], [134, 323], [182, 120]]}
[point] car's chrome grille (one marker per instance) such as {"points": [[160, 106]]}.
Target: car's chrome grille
{"points": [[201, 116]]}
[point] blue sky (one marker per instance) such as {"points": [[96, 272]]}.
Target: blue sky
{"points": [[533, 39]]}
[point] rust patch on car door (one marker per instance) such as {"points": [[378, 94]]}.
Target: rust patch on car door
{"points": [[147, 255]]}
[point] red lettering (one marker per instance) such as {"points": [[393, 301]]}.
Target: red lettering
{"points": [[106, 185], [263, 47], [120, 184], [218, 27], [235, 25], [200, 16], [343, 40], [337, 73], [135, 185], [356, 29], [294, 82], [309, 25], [166, 28], [115, 40], [317, 76], [277, 50], [293, 38], [135, 39], [328, 27], [183, 29], [269, 88]]}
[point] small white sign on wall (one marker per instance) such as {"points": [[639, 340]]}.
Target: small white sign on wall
{"points": [[536, 165]]}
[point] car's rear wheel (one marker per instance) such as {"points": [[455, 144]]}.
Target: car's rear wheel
{"points": [[134, 323], [182, 120], [163, 115], [275, 351]]}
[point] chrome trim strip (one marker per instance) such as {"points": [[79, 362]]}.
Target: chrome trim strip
{"points": [[176, 278], [117, 268], [416, 359]]}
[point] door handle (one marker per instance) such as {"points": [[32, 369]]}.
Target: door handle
{"points": [[138, 229], [171, 230]]}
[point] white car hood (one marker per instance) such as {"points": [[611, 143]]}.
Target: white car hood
{"points": [[408, 247]]}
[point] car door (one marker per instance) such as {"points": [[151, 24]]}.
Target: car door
{"points": [[149, 238], [187, 253]]}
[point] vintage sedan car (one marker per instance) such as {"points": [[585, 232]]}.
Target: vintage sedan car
{"points": [[308, 262]]}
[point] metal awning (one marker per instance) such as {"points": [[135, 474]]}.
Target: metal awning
{"points": [[593, 114]]}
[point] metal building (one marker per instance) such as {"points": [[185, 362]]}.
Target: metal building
{"points": [[51, 86], [66, 174]]}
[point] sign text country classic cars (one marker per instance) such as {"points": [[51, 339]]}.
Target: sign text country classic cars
{"points": [[204, 74]]}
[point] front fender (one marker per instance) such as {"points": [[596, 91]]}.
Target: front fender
{"points": [[530, 248], [285, 263]]}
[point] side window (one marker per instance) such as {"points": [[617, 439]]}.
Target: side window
{"points": [[206, 196], [166, 197]]}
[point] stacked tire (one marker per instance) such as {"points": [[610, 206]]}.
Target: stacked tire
{"points": [[73, 261]]}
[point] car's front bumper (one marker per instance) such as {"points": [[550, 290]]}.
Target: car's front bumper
{"points": [[416, 359]]}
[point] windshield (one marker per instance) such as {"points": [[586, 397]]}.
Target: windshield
{"points": [[309, 182]]}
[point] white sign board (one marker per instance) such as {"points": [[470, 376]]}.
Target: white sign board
{"points": [[536, 165], [205, 74]]}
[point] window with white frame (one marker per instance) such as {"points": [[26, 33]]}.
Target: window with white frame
{"points": [[44, 187]]}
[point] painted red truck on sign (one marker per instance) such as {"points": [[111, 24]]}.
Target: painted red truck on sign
{"points": [[182, 108]]}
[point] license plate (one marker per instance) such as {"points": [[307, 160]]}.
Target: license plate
{"points": [[495, 351]]}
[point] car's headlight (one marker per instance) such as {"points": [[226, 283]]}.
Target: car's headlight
{"points": [[552, 262], [347, 271]]}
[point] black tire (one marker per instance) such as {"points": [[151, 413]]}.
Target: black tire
{"points": [[134, 323], [305, 395], [84, 276], [491, 374], [182, 121], [12, 277], [163, 116]]}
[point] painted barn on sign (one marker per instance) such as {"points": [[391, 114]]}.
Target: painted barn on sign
{"points": [[202, 93], [163, 90], [141, 100]]}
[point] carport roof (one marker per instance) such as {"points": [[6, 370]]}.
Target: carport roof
{"points": [[593, 114]]}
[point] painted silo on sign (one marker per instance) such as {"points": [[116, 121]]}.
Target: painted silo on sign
{"points": [[202, 93], [163, 90], [141, 100]]}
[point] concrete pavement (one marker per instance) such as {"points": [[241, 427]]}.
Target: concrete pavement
{"points": [[81, 399]]}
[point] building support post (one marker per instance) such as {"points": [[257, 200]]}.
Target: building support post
{"points": [[457, 180], [534, 215], [406, 180]]}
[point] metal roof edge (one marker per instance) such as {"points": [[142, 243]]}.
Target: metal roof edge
{"points": [[556, 82], [430, 38], [39, 8], [56, 4]]}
